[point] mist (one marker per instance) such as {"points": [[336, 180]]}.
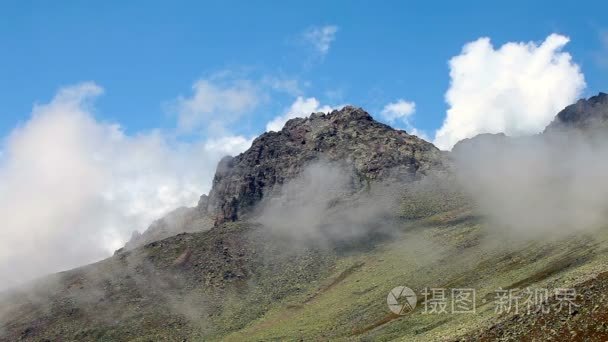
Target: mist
{"points": [[543, 186], [73, 188], [329, 202]]}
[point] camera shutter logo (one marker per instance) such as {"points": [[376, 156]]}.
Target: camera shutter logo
{"points": [[406, 304]]}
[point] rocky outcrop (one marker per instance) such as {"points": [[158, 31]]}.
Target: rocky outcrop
{"points": [[350, 136], [371, 149], [585, 114]]}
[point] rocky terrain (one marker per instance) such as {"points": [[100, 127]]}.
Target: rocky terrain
{"points": [[584, 114], [373, 150], [216, 272]]}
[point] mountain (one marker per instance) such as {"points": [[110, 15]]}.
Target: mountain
{"points": [[238, 267], [373, 150]]}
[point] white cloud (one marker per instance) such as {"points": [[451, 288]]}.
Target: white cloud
{"points": [[516, 89], [321, 37], [72, 188], [302, 107], [214, 104], [401, 112], [228, 145]]}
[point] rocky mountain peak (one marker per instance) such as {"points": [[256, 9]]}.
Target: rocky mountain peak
{"points": [[584, 114], [346, 115], [350, 135]]}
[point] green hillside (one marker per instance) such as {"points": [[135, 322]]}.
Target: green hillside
{"points": [[237, 284]]}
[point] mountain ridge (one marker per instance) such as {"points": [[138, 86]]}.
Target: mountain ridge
{"points": [[236, 280], [584, 114], [349, 134], [371, 150], [243, 180]]}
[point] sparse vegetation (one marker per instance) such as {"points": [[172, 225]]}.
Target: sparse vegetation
{"points": [[241, 281], [237, 286]]}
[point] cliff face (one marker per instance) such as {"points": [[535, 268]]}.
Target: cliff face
{"points": [[371, 149]]}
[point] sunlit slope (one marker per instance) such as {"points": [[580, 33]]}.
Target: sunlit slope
{"points": [[449, 250], [236, 284]]}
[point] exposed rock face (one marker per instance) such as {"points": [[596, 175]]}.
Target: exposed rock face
{"points": [[373, 150], [585, 114]]}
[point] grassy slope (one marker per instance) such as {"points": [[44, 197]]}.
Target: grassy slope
{"points": [[354, 306], [236, 285]]}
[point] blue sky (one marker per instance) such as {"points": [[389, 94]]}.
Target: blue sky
{"points": [[145, 53], [114, 113]]}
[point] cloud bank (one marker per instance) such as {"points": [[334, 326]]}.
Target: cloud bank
{"points": [[516, 89], [544, 186], [72, 188]]}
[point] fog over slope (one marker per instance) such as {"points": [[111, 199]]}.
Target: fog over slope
{"points": [[326, 204], [74, 188], [544, 185]]}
